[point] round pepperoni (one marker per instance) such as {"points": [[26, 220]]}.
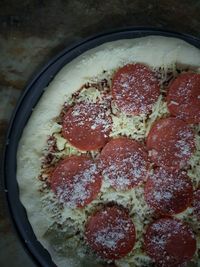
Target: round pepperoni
{"points": [[169, 242], [110, 232], [168, 191], [135, 89], [76, 181], [124, 162], [196, 203], [171, 143], [183, 98], [87, 126]]}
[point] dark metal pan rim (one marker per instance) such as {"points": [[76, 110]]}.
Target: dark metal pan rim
{"points": [[23, 110]]}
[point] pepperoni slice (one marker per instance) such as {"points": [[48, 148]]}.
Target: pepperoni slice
{"points": [[125, 163], [76, 181], [196, 203], [110, 232], [168, 191], [169, 242], [171, 143], [87, 126], [183, 98], [135, 89]]}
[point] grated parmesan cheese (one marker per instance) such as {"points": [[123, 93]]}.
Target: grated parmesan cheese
{"points": [[90, 94], [130, 126], [194, 171], [136, 127], [159, 110], [60, 141], [65, 148]]}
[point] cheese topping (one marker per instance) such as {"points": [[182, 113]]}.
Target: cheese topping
{"points": [[137, 128]]}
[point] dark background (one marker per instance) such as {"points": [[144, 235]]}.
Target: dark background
{"points": [[32, 31]]}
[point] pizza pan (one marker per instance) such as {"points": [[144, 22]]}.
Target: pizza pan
{"points": [[22, 112]]}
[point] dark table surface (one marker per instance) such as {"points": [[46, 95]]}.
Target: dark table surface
{"points": [[32, 31]]}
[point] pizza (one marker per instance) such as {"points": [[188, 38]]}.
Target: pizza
{"points": [[108, 165]]}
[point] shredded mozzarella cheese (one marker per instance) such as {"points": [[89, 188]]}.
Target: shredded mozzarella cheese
{"points": [[136, 127]]}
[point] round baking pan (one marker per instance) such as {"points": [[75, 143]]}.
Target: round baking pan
{"points": [[22, 112]]}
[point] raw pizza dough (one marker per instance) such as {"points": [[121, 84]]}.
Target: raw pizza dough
{"points": [[153, 50]]}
